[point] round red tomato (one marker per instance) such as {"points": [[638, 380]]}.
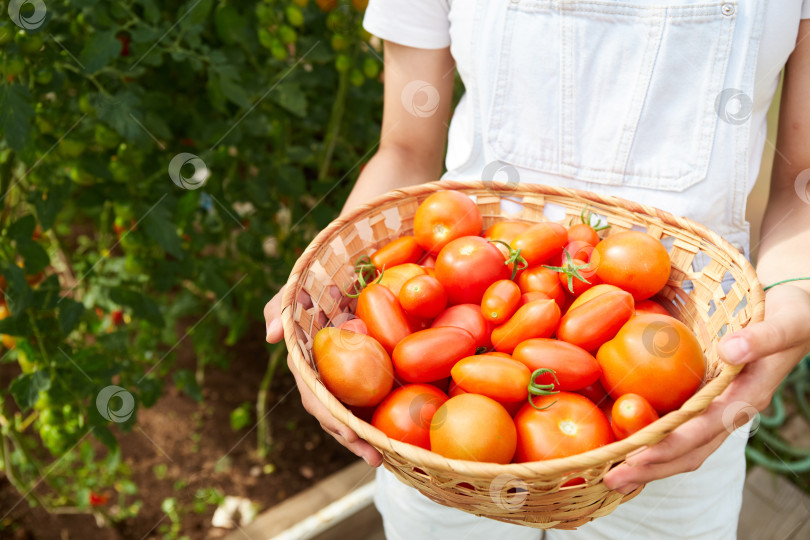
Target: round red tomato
{"points": [[473, 427], [655, 356], [570, 425], [467, 266], [443, 217], [405, 414], [582, 232], [630, 413], [354, 367], [634, 261], [423, 296], [541, 242], [395, 277], [470, 318]]}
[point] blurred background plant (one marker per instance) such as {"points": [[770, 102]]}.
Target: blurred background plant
{"points": [[107, 265]]}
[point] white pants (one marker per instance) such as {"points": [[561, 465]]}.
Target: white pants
{"points": [[701, 505]]}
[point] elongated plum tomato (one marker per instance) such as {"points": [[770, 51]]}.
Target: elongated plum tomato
{"points": [[395, 277], [541, 243], [400, 251], [468, 317], [574, 367], [429, 355], [655, 356], [634, 261], [536, 319], [592, 293], [423, 296], [384, 317], [596, 321], [502, 379], [473, 427], [443, 217], [500, 301], [467, 266], [539, 279], [506, 231], [630, 413], [405, 414], [571, 424], [525, 298], [512, 407], [354, 367]]}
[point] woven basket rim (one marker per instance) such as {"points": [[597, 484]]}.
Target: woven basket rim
{"points": [[601, 456]]}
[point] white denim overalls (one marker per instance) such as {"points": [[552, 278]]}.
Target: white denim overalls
{"points": [[645, 100]]}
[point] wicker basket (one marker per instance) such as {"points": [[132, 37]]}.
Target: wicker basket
{"points": [[528, 494]]}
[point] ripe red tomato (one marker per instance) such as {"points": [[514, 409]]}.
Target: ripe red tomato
{"points": [[428, 355], [512, 407], [655, 356], [650, 307], [405, 414], [572, 284], [574, 367], [582, 232], [502, 379], [506, 231], [536, 319], [396, 276], [470, 318], [596, 321], [467, 266], [598, 395], [541, 242], [592, 293], [531, 297], [571, 425], [443, 217], [380, 310], [423, 296], [400, 251], [630, 413], [500, 301], [634, 261], [354, 367], [473, 428], [539, 279], [354, 325]]}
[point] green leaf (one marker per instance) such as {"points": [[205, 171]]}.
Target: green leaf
{"points": [[291, 97], [142, 306], [240, 416], [159, 227], [98, 50], [186, 382], [70, 312], [23, 228], [35, 256], [16, 115], [103, 434], [18, 292], [194, 12], [120, 112], [26, 388], [49, 203]]}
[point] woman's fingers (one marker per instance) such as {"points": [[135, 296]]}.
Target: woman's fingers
{"points": [[342, 433]]}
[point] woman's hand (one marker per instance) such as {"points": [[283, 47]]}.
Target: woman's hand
{"points": [[342, 433], [769, 350]]}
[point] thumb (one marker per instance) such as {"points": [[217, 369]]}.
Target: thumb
{"points": [[778, 333]]}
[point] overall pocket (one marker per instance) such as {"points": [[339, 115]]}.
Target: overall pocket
{"points": [[619, 93]]}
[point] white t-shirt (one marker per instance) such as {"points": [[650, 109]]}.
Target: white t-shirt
{"points": [[669, 143]]}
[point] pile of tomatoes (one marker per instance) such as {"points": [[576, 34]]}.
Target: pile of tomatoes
{"points": [[524, 343]]}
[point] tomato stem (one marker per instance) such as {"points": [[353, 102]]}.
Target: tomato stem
{"points": [[571, 270], [542, 389], [363, 280], [587, 220], [515, 258]]}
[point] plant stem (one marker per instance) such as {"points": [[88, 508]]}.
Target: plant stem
{"points": [[332, 129], [6, 181], [265, 437]]}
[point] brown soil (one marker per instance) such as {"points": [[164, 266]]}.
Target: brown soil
{"points": [[223, 459]]}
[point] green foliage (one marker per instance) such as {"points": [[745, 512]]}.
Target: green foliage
{"points": [[108, 259]]}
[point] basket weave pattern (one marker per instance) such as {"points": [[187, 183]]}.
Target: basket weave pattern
{"points": [[701, 261]]}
